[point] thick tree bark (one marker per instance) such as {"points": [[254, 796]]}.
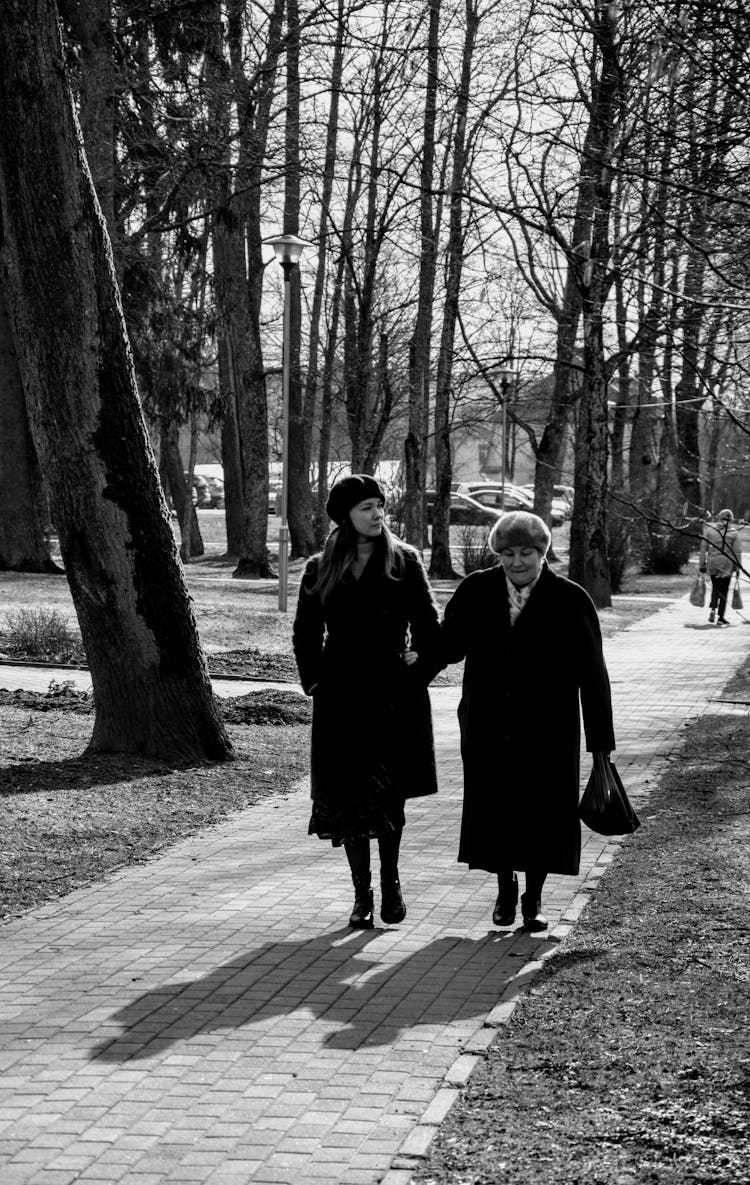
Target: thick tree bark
{"points": [[91, 24], [151, 686], [589, 562], [23, 506]]}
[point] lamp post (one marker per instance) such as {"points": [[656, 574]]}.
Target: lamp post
{"points": [[288, 250], [506, 381]]}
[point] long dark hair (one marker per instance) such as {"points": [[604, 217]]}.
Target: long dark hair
{"points": [[339, 553]]}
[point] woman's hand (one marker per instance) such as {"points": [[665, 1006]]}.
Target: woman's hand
{"points": [[410, 657]]}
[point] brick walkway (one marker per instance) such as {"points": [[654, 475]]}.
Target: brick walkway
{"points": [[209, 1018]]}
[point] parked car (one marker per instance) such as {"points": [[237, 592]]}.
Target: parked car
{"points": [[490, 493], [208, 492], [565, 496], [464, 511], [216, 492], [562, 502], [513, 498]]}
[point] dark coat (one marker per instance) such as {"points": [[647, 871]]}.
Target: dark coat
{"points": [[372, 744], [520, 720]]}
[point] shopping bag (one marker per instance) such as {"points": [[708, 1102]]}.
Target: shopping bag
{"points": [[737, 595], [604, 806], [698, 591]]}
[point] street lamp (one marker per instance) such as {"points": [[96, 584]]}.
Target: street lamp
{"points": [[288, 250], [507, 378]]}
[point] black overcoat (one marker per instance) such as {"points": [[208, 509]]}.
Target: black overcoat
{"points": [[520, 719], [372, 742]]}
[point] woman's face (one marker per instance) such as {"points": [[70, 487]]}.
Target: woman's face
{"points": [[521, 564], [367, 518]]}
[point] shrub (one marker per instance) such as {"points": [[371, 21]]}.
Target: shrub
{"points": [[38, 633], [668, 548], [475, 551]]}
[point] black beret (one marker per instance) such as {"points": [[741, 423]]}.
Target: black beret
{"points": [[520, 528], [348, 491]]}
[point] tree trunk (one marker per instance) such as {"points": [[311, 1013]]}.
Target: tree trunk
{"points": [[326, 410], [300, 499], [419, 354], [24, 513], [230, 445], [314, 329], [441, 565], [253, 116], [182, 498], [151, 686], [218, 85], [589, 564], [91, 24]]}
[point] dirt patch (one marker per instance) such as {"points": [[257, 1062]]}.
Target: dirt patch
{"points": [[253, 664], [69, 817], [628, 1062]]}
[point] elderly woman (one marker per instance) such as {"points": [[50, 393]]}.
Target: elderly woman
{"points": [[365, 638], [533, 650], [721, 556]]}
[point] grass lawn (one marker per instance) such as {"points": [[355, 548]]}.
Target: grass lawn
{"points": [[242, 615]]}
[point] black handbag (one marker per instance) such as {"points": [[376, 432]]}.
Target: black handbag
{"points": [[604, 806]]}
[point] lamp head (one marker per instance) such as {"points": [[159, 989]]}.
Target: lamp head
{"points": [[288, 248]]}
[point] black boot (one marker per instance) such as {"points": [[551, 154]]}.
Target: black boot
{"points": [[358, 855], [362, 916], [392, 907], [504, 913], [531, 903]]}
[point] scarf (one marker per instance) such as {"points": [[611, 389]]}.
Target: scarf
{"points": [[517, 597]]}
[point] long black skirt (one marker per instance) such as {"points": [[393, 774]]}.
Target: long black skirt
{"points": [[357, 777]]}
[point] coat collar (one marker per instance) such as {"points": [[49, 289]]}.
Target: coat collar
{"points": [[536, 601]]}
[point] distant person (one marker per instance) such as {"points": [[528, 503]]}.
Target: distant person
{"points": [[365, 628], [720, 556], [533, 650]]}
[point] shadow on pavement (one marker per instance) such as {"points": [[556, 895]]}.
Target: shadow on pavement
{"points": [[369, 1002]]}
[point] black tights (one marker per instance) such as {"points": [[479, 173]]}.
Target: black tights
{"points": [[719, 593], [358, 855], [534, 882]]}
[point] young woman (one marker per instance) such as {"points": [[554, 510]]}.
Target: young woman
{"points": [[533, 649], [365, 638]]}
